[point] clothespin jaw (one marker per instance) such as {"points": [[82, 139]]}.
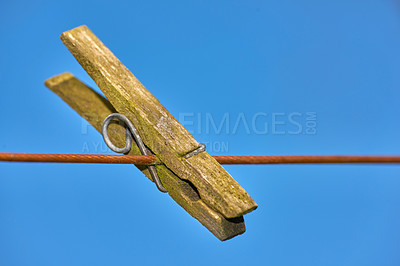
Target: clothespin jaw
{"points": [[199, 183], [95, 108]]}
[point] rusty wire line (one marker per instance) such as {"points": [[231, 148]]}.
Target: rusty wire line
{"points": [[150, 159]]}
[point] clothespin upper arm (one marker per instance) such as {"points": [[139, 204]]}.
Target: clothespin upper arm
{"points": [[160, 131]]}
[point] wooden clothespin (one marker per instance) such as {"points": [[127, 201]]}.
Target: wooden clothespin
{"points": [[199, 184]]}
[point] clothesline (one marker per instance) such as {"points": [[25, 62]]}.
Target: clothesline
{"points": [[151, 160]]}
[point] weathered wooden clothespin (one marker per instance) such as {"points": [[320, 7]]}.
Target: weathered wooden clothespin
{"points": [[199, 184]]}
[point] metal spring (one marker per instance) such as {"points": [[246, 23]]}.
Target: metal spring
{"points": [[132, 132]]}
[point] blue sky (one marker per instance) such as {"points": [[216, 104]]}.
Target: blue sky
{"points": [[278, 77]]}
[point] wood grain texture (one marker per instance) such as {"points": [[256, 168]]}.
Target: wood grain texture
{"points": [[160, 131], [95, 108]]}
